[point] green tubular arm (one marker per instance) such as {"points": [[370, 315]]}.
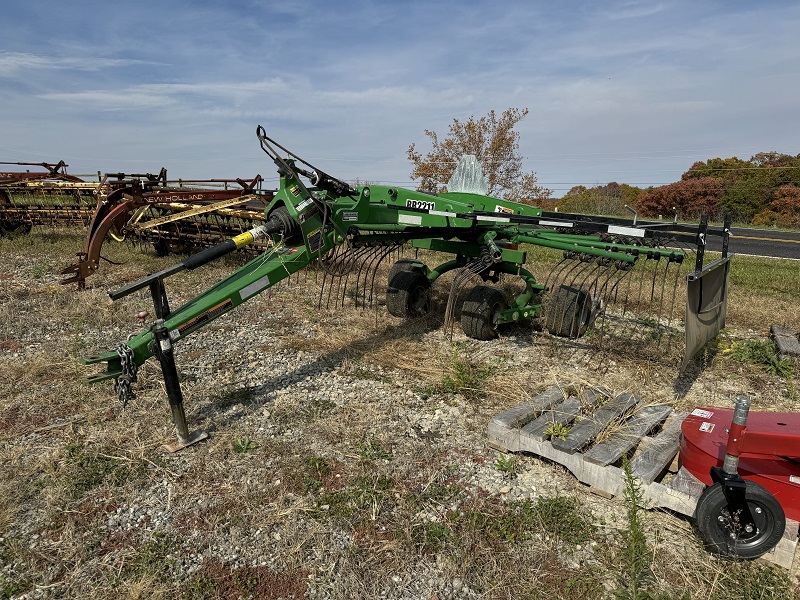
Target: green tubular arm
{"points": [[595, 242], [574, 246], [254, 277]]}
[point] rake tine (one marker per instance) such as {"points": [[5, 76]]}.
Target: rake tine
{"points": [[391, 249], [343, 262], [592, 272], [562, 270], [578, 272], [603, 292], [382, 254], [369, 265], [335, 271], [360, 266], [321, 264], [462, 276], [663, 292], [355, 260], [674, 293], [653, 285], [556, 271], [641, 280]]}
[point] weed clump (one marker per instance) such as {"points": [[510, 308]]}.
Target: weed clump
{"points": [[87, 468]]}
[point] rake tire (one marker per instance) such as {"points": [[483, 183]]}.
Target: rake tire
{"points": [[408, 294], [401, 266], [480, 313], [718, 527], [568, 312]]}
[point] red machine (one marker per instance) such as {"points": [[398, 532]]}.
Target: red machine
{"points": [[750, 461]]}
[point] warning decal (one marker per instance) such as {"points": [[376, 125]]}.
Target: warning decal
{"points": [[703, 414], [205, 317]]}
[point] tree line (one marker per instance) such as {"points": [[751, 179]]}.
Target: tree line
{"points": [[764, 190]]}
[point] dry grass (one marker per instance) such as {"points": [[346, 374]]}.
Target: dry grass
{"points": [[347, 497]]}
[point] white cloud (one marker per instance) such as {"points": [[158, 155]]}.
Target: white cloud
{"points": [[12, 63]]}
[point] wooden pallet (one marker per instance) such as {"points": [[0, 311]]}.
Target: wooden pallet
{"points": [[786, 340], [601, 429]]}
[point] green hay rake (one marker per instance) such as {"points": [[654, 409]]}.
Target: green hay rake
{"points": [[610, 270]]}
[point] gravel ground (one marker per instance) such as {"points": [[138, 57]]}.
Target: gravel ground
{"points": [[280, 386]]}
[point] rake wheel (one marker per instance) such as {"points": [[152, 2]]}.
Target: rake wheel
{"points": [[480, 313], [165, 247], [568, 312], [724, 535], [408, 294], [401, 266], [9, 227]]}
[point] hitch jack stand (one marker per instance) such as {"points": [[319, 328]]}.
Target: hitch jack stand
{"points": [[164, 354], [733, 485]]}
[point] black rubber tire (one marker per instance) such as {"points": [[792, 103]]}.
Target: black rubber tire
{"points": [[408, 295], [568, 312], [715, 523], [401, 266], [481, 311]]}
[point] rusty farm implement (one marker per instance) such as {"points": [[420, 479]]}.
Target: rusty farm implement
{"points": [[507, 263], [172, 215], [43, 197]]}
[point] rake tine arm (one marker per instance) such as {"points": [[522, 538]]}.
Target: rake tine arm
{"points": [[574, 246]]}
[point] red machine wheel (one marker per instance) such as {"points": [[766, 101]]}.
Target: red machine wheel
{"points": [[725, 536]]}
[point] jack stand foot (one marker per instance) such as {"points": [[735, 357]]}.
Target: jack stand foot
{"points": [[180, 444]]}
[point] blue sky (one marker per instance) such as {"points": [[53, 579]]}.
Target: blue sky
{"points": [[624, 91]]}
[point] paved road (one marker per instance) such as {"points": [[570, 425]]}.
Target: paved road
{"points": [[761, 242]]}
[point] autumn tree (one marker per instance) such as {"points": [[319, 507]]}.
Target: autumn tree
{"points": [[493, 141], [609, 199], [784, 211], [749, 186], [689, 197]]}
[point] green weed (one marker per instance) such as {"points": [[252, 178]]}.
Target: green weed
{"points": [[9, 588], [365, 497], [88, 468], [507, 465], [563, 518], [750, 580], [243, 445], [431, 537], [761, 352], [371, 449], [154, 558], [316, 468], [557, 431], [634, 555], [465, 376], [215, 579], [559, 517]]}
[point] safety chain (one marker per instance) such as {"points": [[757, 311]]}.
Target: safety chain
{"points": [[123, 383]]}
